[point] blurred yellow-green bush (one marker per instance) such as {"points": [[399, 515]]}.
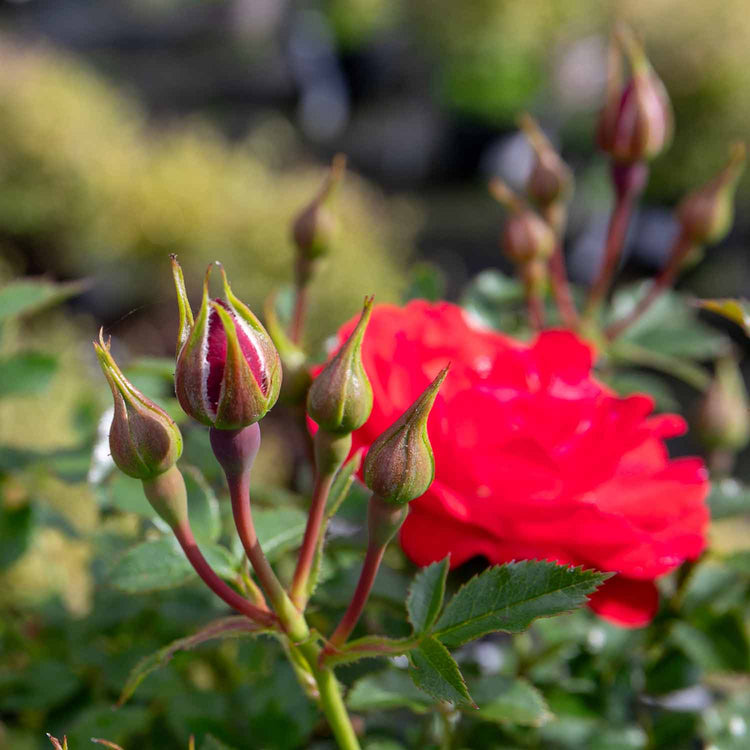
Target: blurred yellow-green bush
{"points": [[85, 181]]}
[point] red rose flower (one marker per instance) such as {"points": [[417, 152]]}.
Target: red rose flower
{"points": [[534, 458]]}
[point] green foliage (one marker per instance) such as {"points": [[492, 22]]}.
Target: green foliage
{"points": [[426, 594], [434, 671]]}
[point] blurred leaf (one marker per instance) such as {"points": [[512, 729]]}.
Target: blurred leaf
{"points": [[101, 721], [619, 738], [427, 281], [389, 689], [728, 498], [739, 561], [628, 383], [279, 529], [47, 685], [227, 627], [491, 295], [16, 527], [126, 494], [24, 296], [211, 743], [26, 373], [434, 671], [426, 594], [719, 644], [161, 564], [509, 700], [736, 310], [203, 506], [509, 597]]}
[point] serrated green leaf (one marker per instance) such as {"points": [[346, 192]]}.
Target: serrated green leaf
{"points": [[279, 529], [227, 627], [26, 373], [434, 671], [728, 497], [389, 689], [509, 597], [510, 700], [426, 594], [23, 296], [160, 564]]}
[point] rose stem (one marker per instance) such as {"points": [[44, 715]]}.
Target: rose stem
{"points": [[680, 249], [303, 273], [184, 535], [556, 216], [536, 309], [629, 181]]}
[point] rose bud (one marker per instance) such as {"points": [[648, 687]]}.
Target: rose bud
{"points": [[706, 214], [228, 372], [723, 421], [636, 122], [315, 225], [340, 397], [143, 439], [550, 179], [526, 235], [399, 466]]}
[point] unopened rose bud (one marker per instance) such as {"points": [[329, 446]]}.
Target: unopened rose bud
{"points": [[315, 225], [399, 466], [550, 179], [526, 235], [144, 441], [228, 372], [706, 215], [340, 397], [723, 421], [636, 122]]}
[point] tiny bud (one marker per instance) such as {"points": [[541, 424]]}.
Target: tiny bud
{"points": [[399, 466], [550, 179], [636, 121], [340, 397], [706, 215], [526, 235], [228, 372], [143, 439], [315, 225], [723, 421]]}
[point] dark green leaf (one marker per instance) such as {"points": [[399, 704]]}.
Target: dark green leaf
{"points": [[728, 498], [26, 373], [627, 383], [16, 526], [24, 296], [279, 529], [720, 644], [389, 689], [227, 627], [211, 743], [434, 671], [509, 597], [47, 685], [426, 594], [510, 700], [427, 282], [101, 721]]}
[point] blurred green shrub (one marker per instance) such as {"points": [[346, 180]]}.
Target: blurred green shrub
{"points": [[85, 182]]}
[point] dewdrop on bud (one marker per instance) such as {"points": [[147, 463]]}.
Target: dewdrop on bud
{"points": [[550, 179], [228, 372], [706, 215], [315, 225], [636, 122], [526, 236], [143, 439], [340, 397], [400, 466]]}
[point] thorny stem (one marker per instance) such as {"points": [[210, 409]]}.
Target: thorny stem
{"points": [[629, 181], [184, 535], [321, 491], [680, 249]]}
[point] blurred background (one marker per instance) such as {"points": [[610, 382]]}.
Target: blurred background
{"points": [[130, 129]]}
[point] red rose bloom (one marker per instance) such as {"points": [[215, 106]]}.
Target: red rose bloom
{"points": [[534, 458]]}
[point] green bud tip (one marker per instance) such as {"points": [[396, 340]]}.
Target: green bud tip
{"points": [[143, 439], [400, 466], [340, 398], [314, 225]]}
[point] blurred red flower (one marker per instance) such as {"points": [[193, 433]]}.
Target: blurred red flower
{"points": [[535, 458]]}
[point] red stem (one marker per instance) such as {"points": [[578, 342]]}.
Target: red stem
{"points": [[680, 248], [190, 547], [561, 289], [310, 542], [629, 181], [536, 310], [373, 558], [303, 272]]}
